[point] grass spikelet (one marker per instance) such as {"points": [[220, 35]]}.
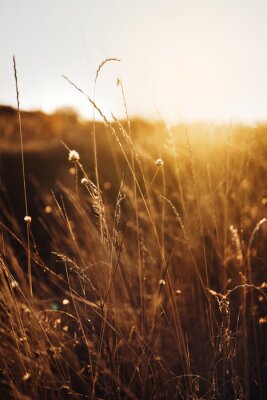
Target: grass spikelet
{"points": [[101, 65]]}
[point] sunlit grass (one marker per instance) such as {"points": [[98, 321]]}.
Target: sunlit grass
{"points": [[147, 267]]}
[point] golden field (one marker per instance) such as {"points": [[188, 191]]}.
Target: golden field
{"points": [[141, 273]]}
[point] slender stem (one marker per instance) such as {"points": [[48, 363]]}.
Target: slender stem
{"points": [[24, 178]]}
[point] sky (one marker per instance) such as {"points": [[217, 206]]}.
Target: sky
{"points": [[182, 60]]}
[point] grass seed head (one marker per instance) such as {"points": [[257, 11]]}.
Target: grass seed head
{"points": [[85, 181], [27, 219], [159, 163], [74, 156]]}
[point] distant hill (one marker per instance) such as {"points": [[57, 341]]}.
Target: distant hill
{"points": [[41, 130]]}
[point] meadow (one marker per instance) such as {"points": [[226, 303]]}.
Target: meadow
{"points": [[133, 259]]}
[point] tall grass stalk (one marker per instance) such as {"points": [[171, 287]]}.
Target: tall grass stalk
{"points": [[27, 218]]}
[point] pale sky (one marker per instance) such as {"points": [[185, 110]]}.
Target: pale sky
{"points": [[186, 59]]}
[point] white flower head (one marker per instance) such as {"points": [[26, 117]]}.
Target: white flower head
{"points": [[159, 163], [74, 156], [27, 219]]}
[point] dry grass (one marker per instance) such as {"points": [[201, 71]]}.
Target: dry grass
{"points": [[150, 285]]}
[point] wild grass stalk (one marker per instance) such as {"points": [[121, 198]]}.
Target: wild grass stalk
{"points": [[27, 218]]}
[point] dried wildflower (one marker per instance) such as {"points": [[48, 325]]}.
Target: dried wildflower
{"points": [[74, 156], [85, 181], [159, 163], [27, 219], [162, 282]]}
